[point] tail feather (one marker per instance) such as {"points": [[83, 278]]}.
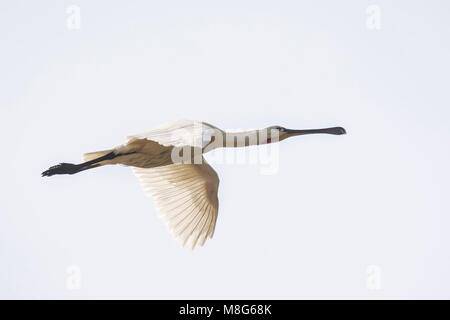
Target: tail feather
{"points": [[94, 155]]}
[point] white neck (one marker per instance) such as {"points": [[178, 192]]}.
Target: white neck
{"points": [[246, 138]]}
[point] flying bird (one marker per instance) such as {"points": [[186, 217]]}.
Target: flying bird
{"points": [[169, 163]]}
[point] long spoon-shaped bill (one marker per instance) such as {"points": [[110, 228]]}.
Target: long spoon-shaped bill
{"points": [[333, 130]]}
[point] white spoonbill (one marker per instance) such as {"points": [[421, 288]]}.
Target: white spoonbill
{"points": [[169, 163]]}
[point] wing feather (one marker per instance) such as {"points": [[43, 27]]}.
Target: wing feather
{"points": [[180, 133], [185, 196], [204, 234], [201, 228]]}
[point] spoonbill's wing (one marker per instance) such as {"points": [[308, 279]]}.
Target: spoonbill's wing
{"points": [[180, 133], [186, 198]]}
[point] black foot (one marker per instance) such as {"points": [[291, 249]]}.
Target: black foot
{"points": [[62, 168]]}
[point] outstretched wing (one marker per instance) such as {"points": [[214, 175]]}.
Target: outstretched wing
{"points": [[186, 198], [180, 133]]}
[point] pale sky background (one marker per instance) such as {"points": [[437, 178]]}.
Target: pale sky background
{"points": [[337, 205]]}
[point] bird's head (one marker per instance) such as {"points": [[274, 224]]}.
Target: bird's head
{"points": [[282, 133], [278, 133]]}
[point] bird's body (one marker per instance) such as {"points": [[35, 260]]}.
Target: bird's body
{"points": [[169, 163]]}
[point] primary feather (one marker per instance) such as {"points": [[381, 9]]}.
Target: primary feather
{"points": [[185, 196]]}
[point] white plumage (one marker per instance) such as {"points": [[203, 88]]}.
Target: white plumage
{"points": [[180, 133], [185, 192], [185, 196]]}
